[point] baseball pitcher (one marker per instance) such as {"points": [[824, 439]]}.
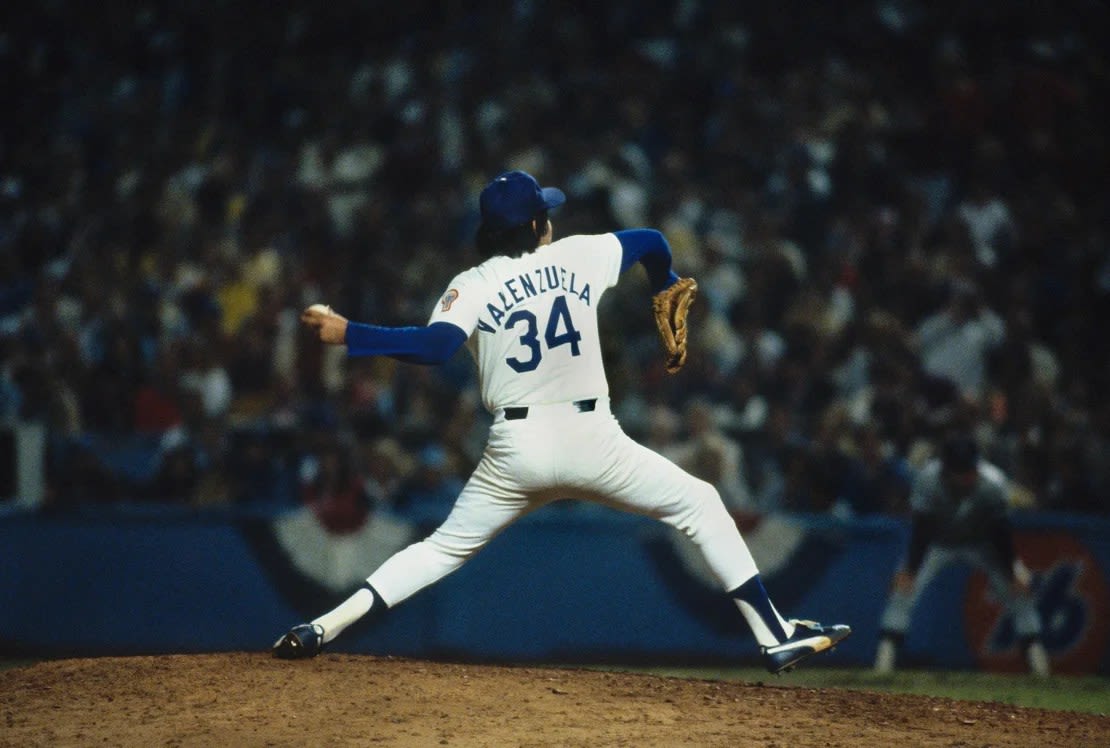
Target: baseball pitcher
{"points": [[960, 506], [528, 315]]}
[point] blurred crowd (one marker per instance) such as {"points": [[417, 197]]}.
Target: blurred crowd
{"points": [[896, 212]]}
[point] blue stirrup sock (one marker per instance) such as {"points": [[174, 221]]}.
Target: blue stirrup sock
{"points": [[766, 624]]}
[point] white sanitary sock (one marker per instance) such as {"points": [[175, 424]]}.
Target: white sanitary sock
{"points": [[346, 613]]}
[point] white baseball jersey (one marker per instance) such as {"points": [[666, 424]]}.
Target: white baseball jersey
{"points": [[532, 320]]}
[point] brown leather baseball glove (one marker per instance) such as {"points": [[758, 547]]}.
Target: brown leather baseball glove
{"points": [[671, 307]]}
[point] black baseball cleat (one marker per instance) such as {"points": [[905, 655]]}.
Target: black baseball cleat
{"points": [[809, 639], [303, 641]]}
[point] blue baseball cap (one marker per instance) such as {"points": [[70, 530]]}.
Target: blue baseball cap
{"points": [[514, 198]]}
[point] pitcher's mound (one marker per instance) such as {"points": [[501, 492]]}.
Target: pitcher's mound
{"points": [[249, 699]]}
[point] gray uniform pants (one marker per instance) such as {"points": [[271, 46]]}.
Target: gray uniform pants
{"points": [[899, 607]]}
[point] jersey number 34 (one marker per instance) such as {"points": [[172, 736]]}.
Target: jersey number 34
{"points": [[559, 316]]}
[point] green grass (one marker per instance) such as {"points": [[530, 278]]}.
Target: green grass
{"points": [[1060, 693], [9, 664]]}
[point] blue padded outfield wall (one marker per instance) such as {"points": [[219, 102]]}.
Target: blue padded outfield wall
{"points": [[569, 584]]}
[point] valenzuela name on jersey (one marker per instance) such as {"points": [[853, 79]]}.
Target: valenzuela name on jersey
{"points": [[522, 287]]}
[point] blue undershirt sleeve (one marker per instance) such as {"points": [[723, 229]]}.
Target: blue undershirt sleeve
{"points": [[650, 248], [429, 345]]}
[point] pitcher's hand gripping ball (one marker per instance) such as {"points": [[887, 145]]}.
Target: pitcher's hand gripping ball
{"points": [[671, 306], [330, 326]]}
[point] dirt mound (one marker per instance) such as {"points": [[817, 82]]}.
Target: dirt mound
{"points": [[344, 700]]}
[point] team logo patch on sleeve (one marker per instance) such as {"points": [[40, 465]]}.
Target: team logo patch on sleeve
{"points": [[448, 299]]}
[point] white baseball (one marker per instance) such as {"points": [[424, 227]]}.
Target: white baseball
{"points": [[321, 308]]}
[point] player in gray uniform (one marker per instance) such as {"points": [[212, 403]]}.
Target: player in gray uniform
{"points": [[528, 315], [960, 505]]}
